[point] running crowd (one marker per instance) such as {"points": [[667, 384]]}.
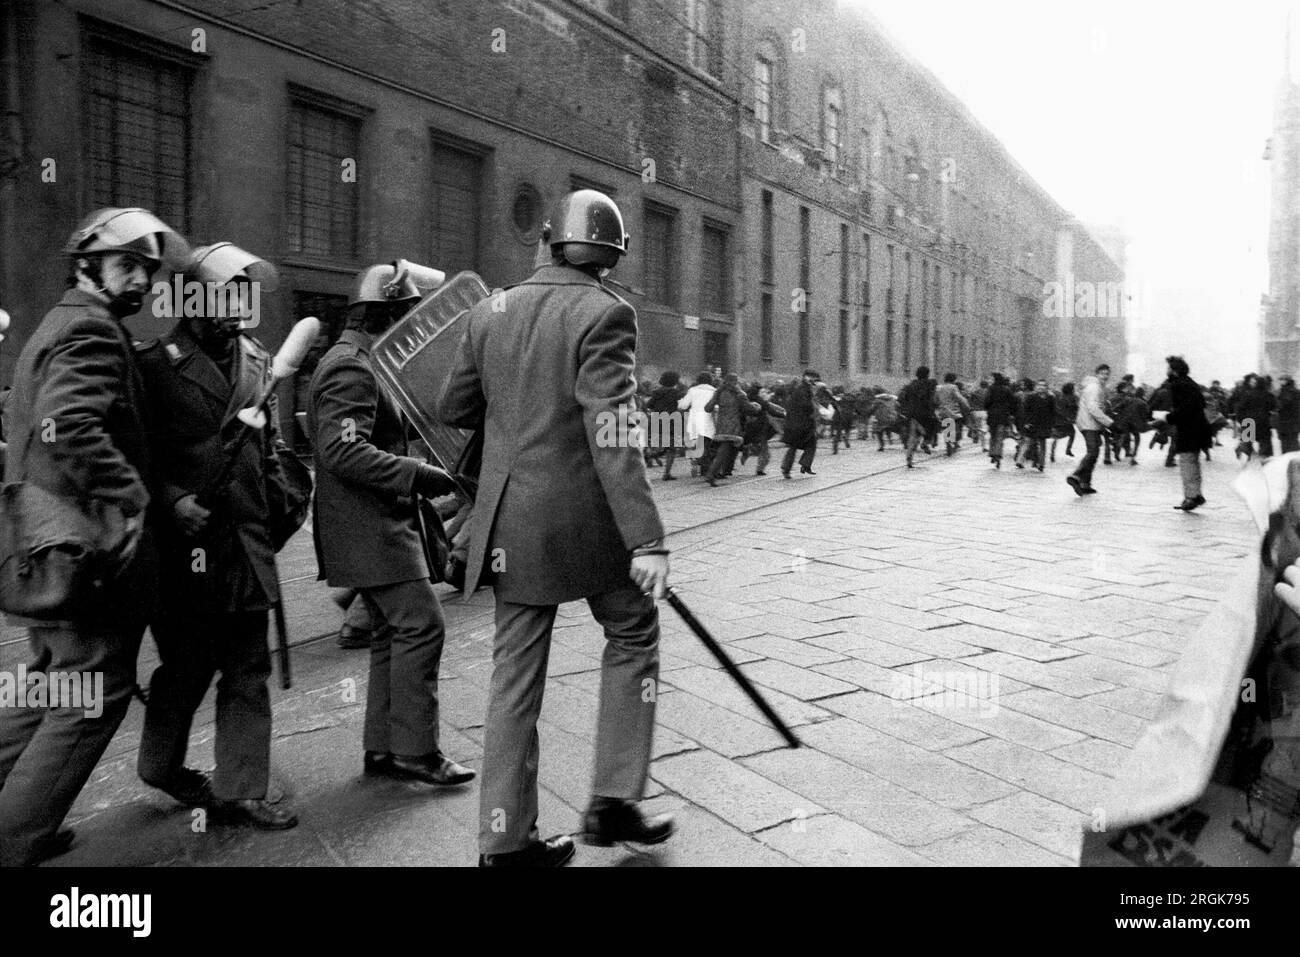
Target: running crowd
{"points": [[724, 420]]}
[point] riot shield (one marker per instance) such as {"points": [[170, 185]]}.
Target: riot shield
{"points": [[414, 358]]}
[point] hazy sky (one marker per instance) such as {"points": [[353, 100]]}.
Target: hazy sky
{"points": [[1148, 114]]}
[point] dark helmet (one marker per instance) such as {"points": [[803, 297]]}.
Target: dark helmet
{"points": [[589, 219]]}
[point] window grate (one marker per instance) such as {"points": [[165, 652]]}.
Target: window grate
{"points": [[323, 206]]}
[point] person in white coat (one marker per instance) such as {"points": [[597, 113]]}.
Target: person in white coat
{"points": [[699, 423], [1091, 420]]}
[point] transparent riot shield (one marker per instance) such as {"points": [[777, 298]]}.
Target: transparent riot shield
{"points": [[414, 358]]}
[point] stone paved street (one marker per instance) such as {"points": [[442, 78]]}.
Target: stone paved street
{"points": [[835, 592]]}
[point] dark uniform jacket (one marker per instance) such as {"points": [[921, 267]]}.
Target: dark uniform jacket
{"points": [[78, 427], [558, 509], [192, 408], [1188, 415], [365, 511]]}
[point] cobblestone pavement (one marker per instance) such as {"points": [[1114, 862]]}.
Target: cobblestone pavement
{"points": [[844, 595]]}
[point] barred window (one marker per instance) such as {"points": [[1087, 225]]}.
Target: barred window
{"points": [[323, 205], [137, 111], [844, 262], [704, 38], [844, 339], [715, 271], [864, 343], [805, 280], [768, 227], [456, 208], [660, 262]]}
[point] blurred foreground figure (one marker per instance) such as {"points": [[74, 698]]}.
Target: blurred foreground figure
{"points": [[562, 513], [77, 425]]}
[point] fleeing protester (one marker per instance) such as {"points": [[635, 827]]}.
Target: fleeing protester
{"points": [[952, 409], [729, 406], [842, 421], [1000, 403], [1288, 415], [1092, 421], [665, 429], [1192, 434], [760, 429], [885, 420], [699, 422], [916, 407], [1255, 408], [800, 433], [1039, 418], [78, 373], [979, 416], [1067, 408]]}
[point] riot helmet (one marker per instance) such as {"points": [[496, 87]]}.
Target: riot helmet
{"points": [[397, 281], [586, 227]]}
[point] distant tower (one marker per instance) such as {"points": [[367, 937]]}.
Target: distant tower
{"points": [[1281, 307]]}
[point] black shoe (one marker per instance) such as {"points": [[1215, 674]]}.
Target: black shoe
{"points": [[1020, 465], [807, 471], [760, 472], [670, 478], [1070, 454], [56, 845], [609, 821], [1088, 490], [189, 787], [431, 769], [712, 483], [377, 764], [785, 475], [1075, 484], [553, 852], [1191, 504], [253, 813]]}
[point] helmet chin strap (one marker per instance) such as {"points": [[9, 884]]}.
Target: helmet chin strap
{"points": [[118, 304]]}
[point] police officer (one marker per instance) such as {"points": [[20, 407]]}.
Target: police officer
{"points": [[368, 534], [77, 426], [562, 514], [216, 547]]}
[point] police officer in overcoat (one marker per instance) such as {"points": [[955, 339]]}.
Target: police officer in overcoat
{"points": [[216, 546], [562, 514], [368, 532], [78, 428]]}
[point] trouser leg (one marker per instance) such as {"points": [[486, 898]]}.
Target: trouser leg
{"points": [[243, 719], [1189, 467], [508, 796], [764, 454], [402, 700], [629, 676], [176, 689], [787, 461], [806, 457], [67, 742], [1092, 444]]}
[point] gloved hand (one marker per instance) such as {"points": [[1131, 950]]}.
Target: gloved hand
{"points": [[190, 515], [433, 482]]}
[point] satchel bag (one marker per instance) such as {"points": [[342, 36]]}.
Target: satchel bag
{"points": [[56, 555], [289, 499]]}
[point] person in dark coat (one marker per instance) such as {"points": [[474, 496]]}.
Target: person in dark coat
{"points": [[1288, 415], [564, 516], [1193, 435], [1067, 407], [759, 430], [1039, 418], [212, 616], [1255, 408], [369, 536], [916, 406], [730, 407], [1000, 404], [78, 428], [666, 429], [800, 433]]}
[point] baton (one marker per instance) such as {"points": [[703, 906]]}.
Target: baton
{"points": [[282, 645], [737, 675]]}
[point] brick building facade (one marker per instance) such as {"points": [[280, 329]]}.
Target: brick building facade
{"points": [[776, 163]]}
